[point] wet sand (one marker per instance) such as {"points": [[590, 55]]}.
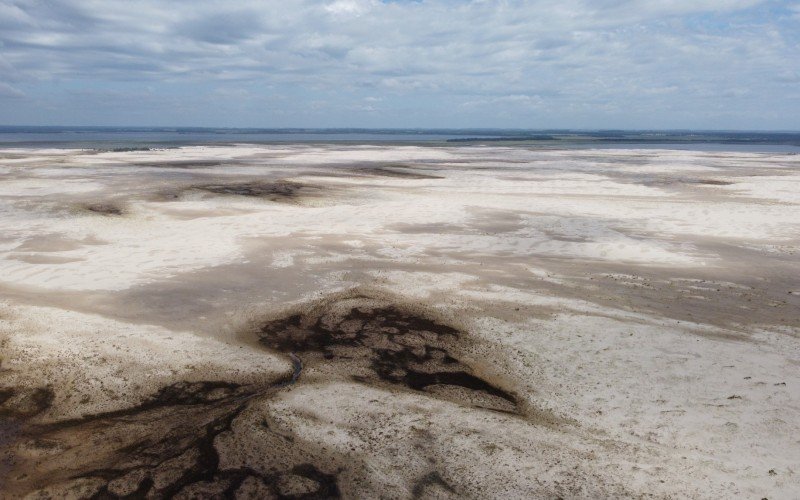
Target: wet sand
{"points": [[399, 321]]}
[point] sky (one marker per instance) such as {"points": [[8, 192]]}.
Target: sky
{"points": [[580, 64]]}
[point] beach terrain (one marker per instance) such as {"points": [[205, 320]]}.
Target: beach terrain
{"points": [[398, 321]]}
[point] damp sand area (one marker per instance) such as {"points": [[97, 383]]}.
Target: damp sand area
{"points": [[397, 321]]}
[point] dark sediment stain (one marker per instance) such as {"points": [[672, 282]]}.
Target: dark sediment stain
{"points": [[572, 238], [397, 171], [125, 150], [277, 191], [377, 342], [16, 406], [183, 164], [184, 441], [270, 190], [669, 181], [164, 447], [104, 208], [23, 403], [711, 182], [426, 487]]}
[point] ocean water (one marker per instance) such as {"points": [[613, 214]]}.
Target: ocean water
{"points": [[121, 138]]}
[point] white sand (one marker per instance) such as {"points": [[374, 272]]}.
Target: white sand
{"points": [[639, 298]]}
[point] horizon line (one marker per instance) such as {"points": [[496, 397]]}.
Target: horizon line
{"points": [[399, 129]]}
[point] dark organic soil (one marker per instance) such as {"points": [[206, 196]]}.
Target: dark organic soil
{"points": [[277, 191], [272, 190], [397, 172], [385, 344], [165, 447], [712, 182], [176, 442], [104, 208]]}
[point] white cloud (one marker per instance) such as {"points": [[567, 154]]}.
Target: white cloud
{"points": [[514, 101], [349, 7], [532, 54], [7, 90]]}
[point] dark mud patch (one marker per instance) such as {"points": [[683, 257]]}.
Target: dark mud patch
{"points": [[212, 439], [711, 182], [432, 486], [16, 406], [659, 182], [104, 208], [379, 342], [168, 446], [271, 190], [183, 164], [276, 191], [397, 171], [567, 238], [23, 402], [125, 150]]}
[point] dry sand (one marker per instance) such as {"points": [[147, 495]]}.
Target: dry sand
{"points": [[398, 322]]}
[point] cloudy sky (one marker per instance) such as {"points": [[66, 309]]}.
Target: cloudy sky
{"points": [[712, 64]]}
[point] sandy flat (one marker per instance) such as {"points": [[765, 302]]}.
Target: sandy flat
{"points": [[399, 322]]}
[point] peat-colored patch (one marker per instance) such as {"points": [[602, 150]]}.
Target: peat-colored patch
{"points": [[185, 441], [24, 402], [431, 481], [184, 164], [167, 446], [671, 181], [277, 191], [104, 208], [377, 342], [398, 171], [712, 182]]}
